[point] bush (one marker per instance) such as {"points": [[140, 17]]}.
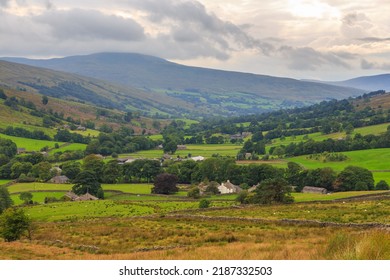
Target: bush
{"points": [[382, 185], [194, 192], [14, 223], [272, 191], [204, 203]]}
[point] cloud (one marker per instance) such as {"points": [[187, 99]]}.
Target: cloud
{"points": [[368, 65], [373, 39], [77, 24], [307, 58], [193, 17], [4, 3]]}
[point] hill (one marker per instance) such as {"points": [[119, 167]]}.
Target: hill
{"points": [[86, 90], [369, 83], [209, 91]]}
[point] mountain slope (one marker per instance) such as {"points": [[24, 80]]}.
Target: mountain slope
{"points": [[74, 87], [370, 83], [211, 91]]}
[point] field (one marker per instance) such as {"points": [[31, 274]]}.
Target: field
{"points": [[374, 160], [30, 144]]}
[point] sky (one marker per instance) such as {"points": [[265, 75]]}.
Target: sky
{"points": [[305, 39]]}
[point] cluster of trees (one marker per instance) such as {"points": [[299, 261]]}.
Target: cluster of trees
{"points": [[121, 141], [21, 132], [358, 142], [64, 135]]}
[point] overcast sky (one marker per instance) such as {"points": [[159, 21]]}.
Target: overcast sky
{"points": [[313, 39]]}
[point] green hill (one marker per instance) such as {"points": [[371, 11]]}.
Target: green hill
{"points": [[196, 91]]}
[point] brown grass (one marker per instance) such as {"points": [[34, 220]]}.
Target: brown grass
{"points": [[173, 238]]}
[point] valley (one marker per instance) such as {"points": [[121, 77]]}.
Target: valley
{"points": [[61, 133]]}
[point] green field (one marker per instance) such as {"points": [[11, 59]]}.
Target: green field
{"points": [[4, 181], [129, 188], [305, 197], [346, 212], [32, 187], [108, 208], [38, 197], [373, 159], [30, 144], [70, 147]]}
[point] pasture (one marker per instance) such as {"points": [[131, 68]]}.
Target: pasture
{"points": [[373, 159], [30, 144]]}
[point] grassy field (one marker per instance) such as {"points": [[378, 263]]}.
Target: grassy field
{"points": [[374, 159], [38, 197], [306, 197], [4, 181], [30, 144], [341, 212]]}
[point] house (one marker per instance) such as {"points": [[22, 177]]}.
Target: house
{"points": [[198, 158], [71, 195], [21, 150], [62, 179], [228, 187], [309, 189], [253, 188], [86, 197], [181, 147], [82, 128]]}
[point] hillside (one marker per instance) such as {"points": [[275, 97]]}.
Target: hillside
{"points": [[29, 112], [87, 90], [211, 92], [369, 83]]}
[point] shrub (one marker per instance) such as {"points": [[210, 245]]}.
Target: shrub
{"points": [[14, 223], [204, 203]]}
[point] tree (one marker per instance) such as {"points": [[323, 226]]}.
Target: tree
{"points": [[204, 203], [8, 148], [2, 94], [5, 199], [45, 100], [95, 164], [382, 185], [272, 191], [87, 182], [354, 178], [42, 171], [26, 197], [165, 183], [71, 169], [13, 224], [112, 172], [194, 192]]}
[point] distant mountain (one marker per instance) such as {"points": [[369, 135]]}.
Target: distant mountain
{"points": [[86, 90], [368, 83], [210, 92]]}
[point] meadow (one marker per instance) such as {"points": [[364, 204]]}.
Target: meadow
{"points": [[30, 144], [373, 159]]}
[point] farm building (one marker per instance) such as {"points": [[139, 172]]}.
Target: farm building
{"points": [[86, 197], [62, 179], [228, 187], [198, 158], [71, 195], [308, 189]]}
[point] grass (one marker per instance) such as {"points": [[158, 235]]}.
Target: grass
{"points": [[373, 159], [129, 188], [33, 187], [30, 144], [38, 197], [341, 212], [305, 197], [4, 181], [70, 147]]}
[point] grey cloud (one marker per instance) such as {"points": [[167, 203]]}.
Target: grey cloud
{"points": [[373, 39], [196, 19], [89, 24], [310, 59], [4, 3], [367, 65]]}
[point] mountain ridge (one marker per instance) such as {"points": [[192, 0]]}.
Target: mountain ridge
{"points": [[209, 91]]}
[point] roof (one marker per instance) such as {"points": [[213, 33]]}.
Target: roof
{"points": [[314, 189], [71, 195], [86, 197], [228, 185]]}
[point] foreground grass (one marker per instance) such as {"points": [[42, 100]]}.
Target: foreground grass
{"points": [[339, 212], [194, 239]]}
